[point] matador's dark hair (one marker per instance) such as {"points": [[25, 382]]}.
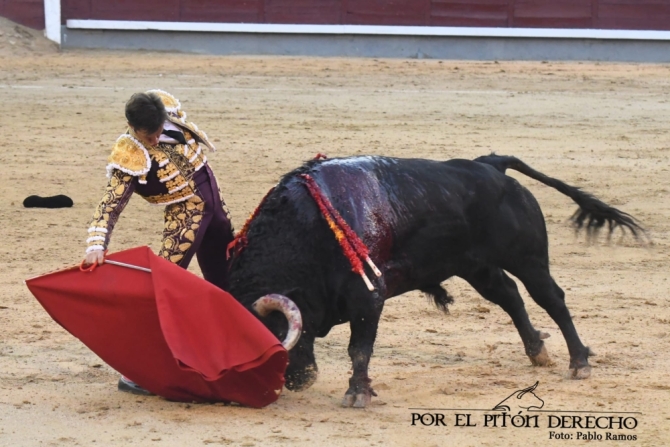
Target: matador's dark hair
{"points": [[145, 111]]}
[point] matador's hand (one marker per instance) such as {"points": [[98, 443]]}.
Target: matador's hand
{"points": [[94, 256]]}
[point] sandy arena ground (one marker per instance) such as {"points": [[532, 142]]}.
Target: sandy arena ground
{"points": [[603, 127]]}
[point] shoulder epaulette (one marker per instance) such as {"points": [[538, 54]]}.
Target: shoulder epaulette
{"points": [[129, 156]]}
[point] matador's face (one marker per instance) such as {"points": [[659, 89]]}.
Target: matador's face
{"points": [[148, 138]]}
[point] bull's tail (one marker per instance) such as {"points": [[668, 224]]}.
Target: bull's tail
{"points": [[592, 213]]}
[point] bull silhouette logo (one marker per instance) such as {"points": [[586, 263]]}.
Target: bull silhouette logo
{"points": [[521, 400]]}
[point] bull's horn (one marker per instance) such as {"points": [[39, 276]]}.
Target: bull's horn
{"points": [[266, 304]]}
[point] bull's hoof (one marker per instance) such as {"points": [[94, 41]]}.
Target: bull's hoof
{"points": [[301, 380], [348, 400], [580, 373], [542, 358], [360, 400]]}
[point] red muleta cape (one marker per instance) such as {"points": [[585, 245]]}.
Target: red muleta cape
{"points": [[169, 331]]}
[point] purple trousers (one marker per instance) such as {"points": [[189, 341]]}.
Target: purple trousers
{"points": [[214, 233]]}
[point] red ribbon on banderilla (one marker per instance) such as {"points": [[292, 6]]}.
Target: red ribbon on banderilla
{"points": [[352, 246], [240, 241]]}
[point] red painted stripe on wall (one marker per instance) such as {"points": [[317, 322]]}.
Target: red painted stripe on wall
{"points": [[581, 14]]}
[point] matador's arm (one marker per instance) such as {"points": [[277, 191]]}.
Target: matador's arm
{"points": [[117, 194]]}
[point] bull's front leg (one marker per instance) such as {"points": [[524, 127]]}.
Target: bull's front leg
{"points": [[363, 324]]}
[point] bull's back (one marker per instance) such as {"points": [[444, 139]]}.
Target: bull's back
{"points": [[403, 195], [418, 217]]}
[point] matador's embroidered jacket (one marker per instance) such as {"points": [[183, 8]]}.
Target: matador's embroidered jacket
{"points": [[162, 175]]}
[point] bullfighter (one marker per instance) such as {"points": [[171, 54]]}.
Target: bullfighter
{"points": [[161, 158]]}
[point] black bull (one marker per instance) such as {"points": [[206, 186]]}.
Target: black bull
{"points": [[423, 221]]}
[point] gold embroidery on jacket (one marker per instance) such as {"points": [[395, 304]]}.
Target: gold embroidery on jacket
{"points": [[170, 170], [177, 196], [182, 221], [176, 184], [175, 171], [175, 153]]}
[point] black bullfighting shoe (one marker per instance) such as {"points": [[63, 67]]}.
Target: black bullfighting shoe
{"points": [[128, 386]]}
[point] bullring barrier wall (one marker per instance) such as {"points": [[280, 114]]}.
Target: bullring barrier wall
{"points": [[603, 30]]}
